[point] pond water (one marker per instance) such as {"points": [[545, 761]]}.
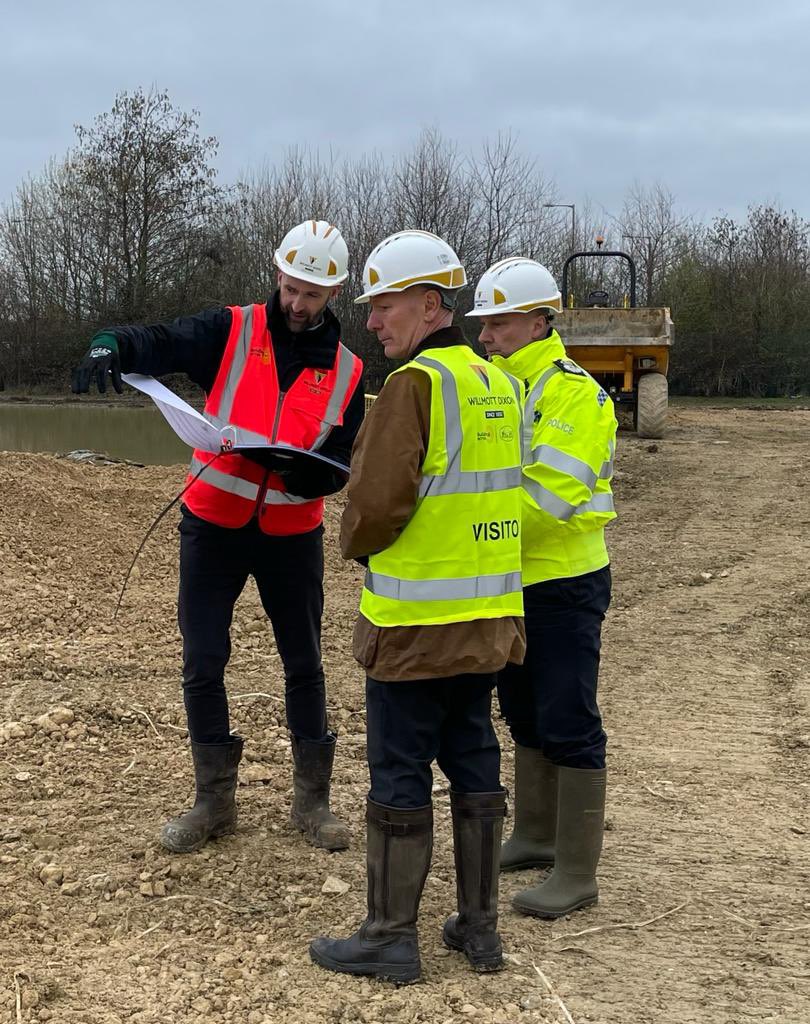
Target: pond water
{"points": [[125, 432]]}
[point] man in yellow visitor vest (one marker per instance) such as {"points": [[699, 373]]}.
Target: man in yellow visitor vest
{"points": [[434, 511], [569, 438]]}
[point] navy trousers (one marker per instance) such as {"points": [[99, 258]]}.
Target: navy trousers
{"points": [[215, 564], [549, 702], [409, 725]]}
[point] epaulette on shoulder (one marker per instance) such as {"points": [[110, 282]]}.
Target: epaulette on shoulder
{"points": [[568, 366]]}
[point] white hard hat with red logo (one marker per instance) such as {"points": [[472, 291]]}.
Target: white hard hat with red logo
{"points": [[314, 251]]}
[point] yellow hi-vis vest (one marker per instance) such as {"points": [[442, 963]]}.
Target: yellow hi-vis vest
{"points": [[458, 557], [569, 441]]}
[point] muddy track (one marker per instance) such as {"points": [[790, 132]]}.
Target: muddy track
{"points": [[706, 697]]}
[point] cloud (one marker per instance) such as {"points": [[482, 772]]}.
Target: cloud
{"points": [[708, 98]]}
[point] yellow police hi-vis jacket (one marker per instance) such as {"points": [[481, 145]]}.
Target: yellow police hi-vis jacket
{"points": [[569, 441], [458, 557]]}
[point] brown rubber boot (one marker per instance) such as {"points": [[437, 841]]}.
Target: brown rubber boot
{"points": [[531, 844], [477, 827], [214, 812], [580, 828], [386, 946], [312, 776]]}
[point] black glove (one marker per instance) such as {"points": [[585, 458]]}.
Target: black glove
{"points": [[100, 360]]}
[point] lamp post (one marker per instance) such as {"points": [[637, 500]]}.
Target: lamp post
{"points": [[567, 206], [572, 207]]}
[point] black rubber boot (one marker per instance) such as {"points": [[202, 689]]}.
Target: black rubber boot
{"points": [[386, 946], [312, 776], [477, 827], [214, 812], [580, 828], [531, 844]]}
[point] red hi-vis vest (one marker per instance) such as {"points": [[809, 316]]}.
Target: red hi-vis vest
{"points": [[246, 397]]}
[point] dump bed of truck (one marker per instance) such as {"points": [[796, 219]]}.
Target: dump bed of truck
{"points": [[616, 327]]}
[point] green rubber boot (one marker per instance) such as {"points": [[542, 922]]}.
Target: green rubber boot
{"points": [[580, 827], [531, 844]]}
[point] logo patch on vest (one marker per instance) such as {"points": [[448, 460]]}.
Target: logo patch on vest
{"points": [[567, 366], [482, 373], [261, 352], [319, 375]]}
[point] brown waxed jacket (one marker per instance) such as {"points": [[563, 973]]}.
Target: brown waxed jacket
{"points": [[382, 493]]}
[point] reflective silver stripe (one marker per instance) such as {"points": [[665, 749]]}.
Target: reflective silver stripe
{"points": [[338, 396], [238, 435], [456, 480], [549, 502], [224, 481], [466, 589], [532, 399], [598, 503], [547, 455], [563, 510], [237, 366], [471, 482], [452, 412], [606, 472], [283, 498]]}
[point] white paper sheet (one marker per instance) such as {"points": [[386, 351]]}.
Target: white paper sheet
{"points": [[186, 422], [197, 432]]}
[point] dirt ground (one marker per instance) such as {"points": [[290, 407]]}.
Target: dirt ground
{"points": [[705, 880]]}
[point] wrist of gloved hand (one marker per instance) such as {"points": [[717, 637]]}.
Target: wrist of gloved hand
{"points": [[105, 339]]}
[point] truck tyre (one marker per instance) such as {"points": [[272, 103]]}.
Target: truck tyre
{"points": [[651, 405]]}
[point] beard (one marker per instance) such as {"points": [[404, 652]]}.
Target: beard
{"points": [[303, 323]]}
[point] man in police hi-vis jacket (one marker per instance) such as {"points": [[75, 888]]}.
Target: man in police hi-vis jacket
{"points": [[434, 509], [549, 702], [277, 371]]}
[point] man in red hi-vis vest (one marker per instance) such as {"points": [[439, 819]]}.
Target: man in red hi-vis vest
{"points": [[278, 373]]}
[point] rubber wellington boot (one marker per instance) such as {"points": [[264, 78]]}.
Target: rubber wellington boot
{"points": [[531, 844], [214, 811], [580, 828], [312, 776], [386, 946], [477, 827]]}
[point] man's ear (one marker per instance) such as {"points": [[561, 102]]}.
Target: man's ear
{"points": [[540, 326], [433, 302], [335, 292]]}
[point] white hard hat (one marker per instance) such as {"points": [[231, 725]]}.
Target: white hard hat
{"points": [[409, 258], [516, 285], [314, 251]]}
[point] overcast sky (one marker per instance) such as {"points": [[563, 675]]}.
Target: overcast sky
{"points": [[709, 97]]}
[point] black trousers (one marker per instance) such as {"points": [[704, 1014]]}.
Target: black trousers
{"points": [[409, 725], [549, 701], [215, 564]]}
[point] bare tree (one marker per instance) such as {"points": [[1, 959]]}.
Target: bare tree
{"points": [[147, 177], [652, 232]]}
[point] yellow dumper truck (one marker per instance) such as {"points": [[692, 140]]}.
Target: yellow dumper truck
{"points": [[625, 347]]}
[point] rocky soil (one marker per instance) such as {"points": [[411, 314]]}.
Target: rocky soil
{"points": [[705, 907]]}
